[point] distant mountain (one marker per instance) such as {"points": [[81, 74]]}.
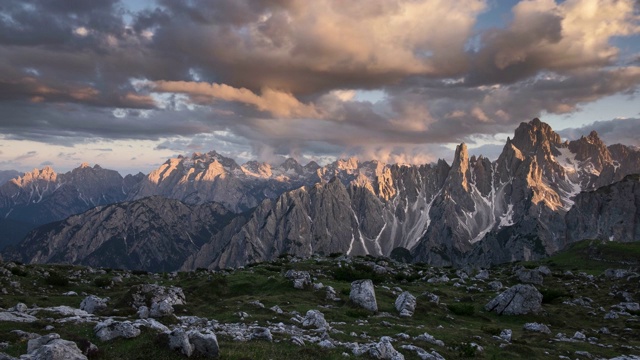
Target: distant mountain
{"points": [[6, 175], [473, 211], [212, 177], [153, 233], [43, 196]]}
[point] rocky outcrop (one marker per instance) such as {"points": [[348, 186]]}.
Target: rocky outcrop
{"points": [[517, 300], [609, 213]]}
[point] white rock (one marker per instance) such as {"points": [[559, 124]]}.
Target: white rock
{"points": [[204, 343], [179, 341], [161, 309], [430, 339], [506, 335], [261, 333], [406, 304], [363, 294], [315, 318], [536, 327], [143, 312], [17, 317], [51, 347], [111, 329], [517, 300], [93, 304]]}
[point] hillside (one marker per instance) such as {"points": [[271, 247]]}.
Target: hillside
{"points": [[590, 310]]}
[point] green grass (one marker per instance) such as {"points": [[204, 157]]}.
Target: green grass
{"points": [[457, 320]]}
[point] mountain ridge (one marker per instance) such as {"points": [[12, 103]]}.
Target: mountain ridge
{"points": [[513, 208]]}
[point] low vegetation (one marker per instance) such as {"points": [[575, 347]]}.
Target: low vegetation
{"points": [[458, 319]]}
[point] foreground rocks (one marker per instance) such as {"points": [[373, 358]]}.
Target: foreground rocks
{"points": [[52, 347], [363, 294], [517, 300]]}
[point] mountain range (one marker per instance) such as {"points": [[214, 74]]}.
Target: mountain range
{"points": [[206, 211]]}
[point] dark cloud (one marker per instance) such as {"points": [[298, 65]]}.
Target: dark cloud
{"points": [[272, 78]]}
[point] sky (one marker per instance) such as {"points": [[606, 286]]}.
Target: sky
{"points": [[128, 84]]}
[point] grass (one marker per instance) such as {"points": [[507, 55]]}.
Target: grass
{"points": [[458, 320]]}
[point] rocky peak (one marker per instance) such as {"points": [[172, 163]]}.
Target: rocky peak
{"points": [[534, 136], [256, 168], [459, 173], [348, 164], [312, 166], [591, 148], [292, 165], [47, 174]]}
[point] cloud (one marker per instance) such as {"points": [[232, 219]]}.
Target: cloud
{"points": [[283, 77], [560, 37], [615, 131], [25, 156], [278, 103]]}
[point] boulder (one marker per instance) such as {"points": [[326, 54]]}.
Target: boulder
{"points": [[19, 307], [331, 294], [93, 304], [517, 300], [17, 317], [363, 294], [315, 318], [160, 309], [147, 294], [406, 304], [204, 343], [384, 350], [529, 276], [495, 285], [179, 341], [506, 335], [300, 279], [430, 339], [261, 333], [431, 297], [536, 327], [143, 312], [51, 347], [482, 275], [111, 329]]}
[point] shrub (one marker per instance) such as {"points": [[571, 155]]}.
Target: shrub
{"points": [[140, 272], [466, 350], [19, 272], [491, 330], [356, 272], [56, 279], [102, 282], [461, 309], [401, 254], [549, 295]]}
